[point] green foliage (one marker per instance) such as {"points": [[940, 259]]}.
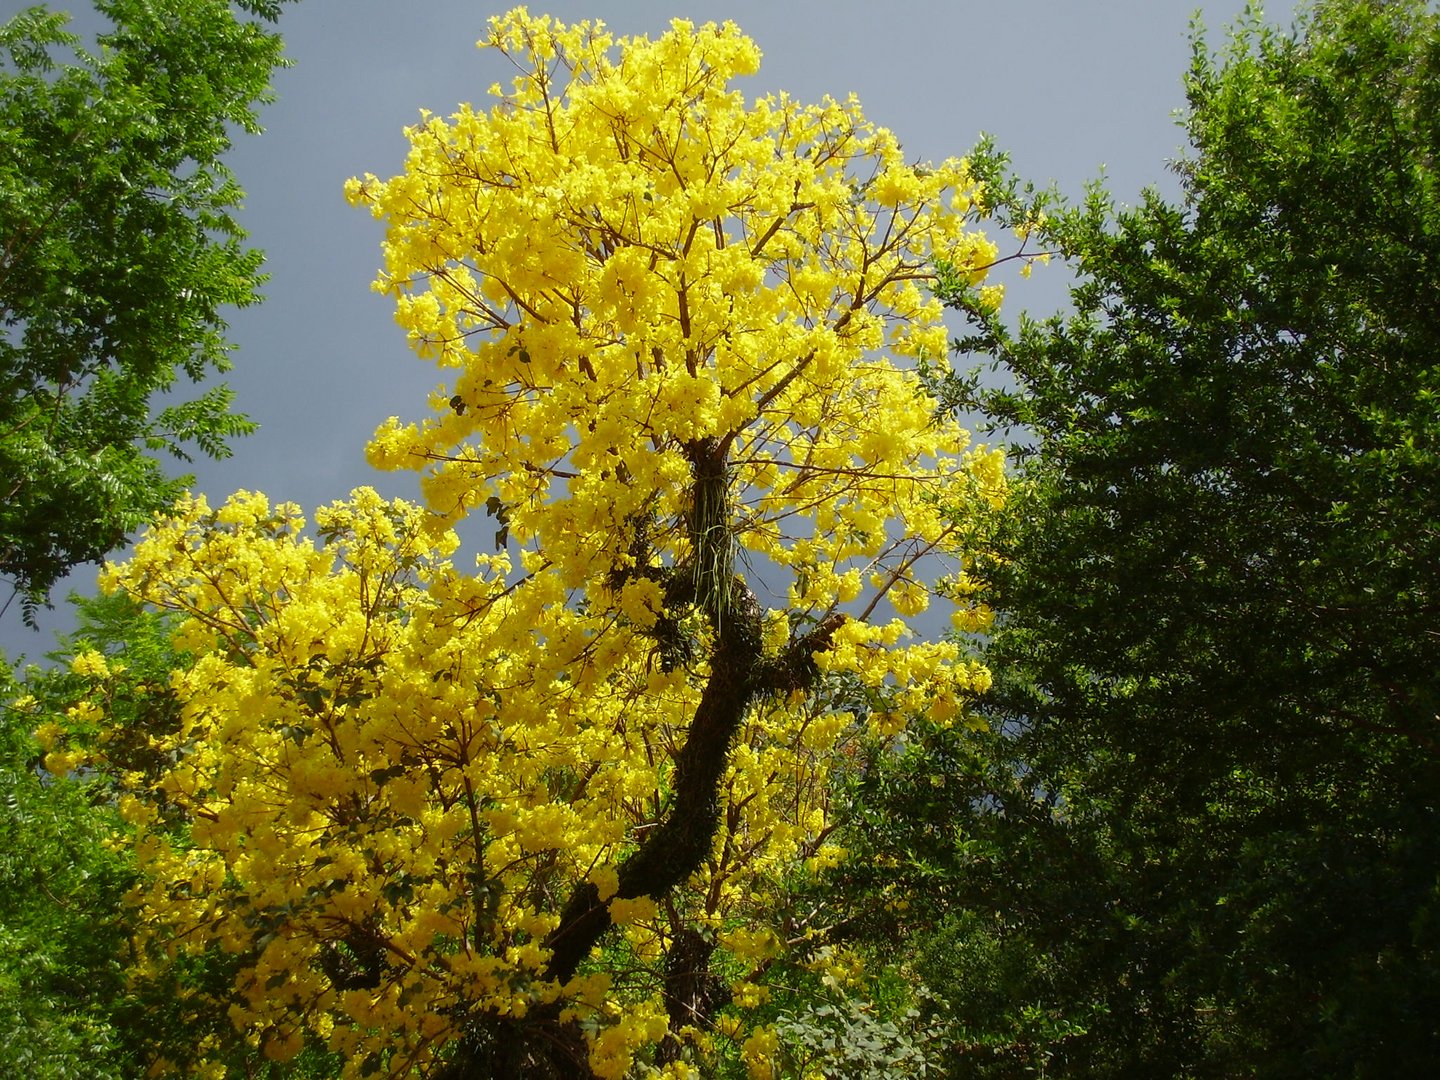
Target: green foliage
{"points": [[61, 940], [118, 251], [969, 884], [846, 1038], [1203, 834]]}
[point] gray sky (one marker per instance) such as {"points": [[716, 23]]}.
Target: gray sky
{"points": [[1067, 87]]}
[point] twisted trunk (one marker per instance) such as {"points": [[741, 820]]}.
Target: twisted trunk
{"points": [[538, 1045]]}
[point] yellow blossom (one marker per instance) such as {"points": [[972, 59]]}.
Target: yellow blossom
{"points": [[90, 664], [678, 331]]}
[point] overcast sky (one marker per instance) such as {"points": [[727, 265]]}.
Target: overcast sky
{"points": [[1067, 87]]}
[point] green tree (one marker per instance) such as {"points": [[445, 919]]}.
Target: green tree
{"points": [[118, 251], [1204, 832], [59, 938]]}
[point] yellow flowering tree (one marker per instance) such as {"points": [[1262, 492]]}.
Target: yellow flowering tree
{"points": [[501, 821]]}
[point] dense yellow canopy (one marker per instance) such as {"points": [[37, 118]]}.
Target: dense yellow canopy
{"points": [[680, 331]]}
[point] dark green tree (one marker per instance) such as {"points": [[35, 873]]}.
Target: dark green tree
{"points": [[119, 250], [1202, 839]]}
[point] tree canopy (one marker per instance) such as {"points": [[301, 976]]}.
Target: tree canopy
{"points": [[1207, 817], [541, 817], [119, 251]]}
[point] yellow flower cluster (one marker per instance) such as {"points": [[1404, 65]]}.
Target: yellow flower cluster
{"points": [[394, 769], [623, 256]]}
